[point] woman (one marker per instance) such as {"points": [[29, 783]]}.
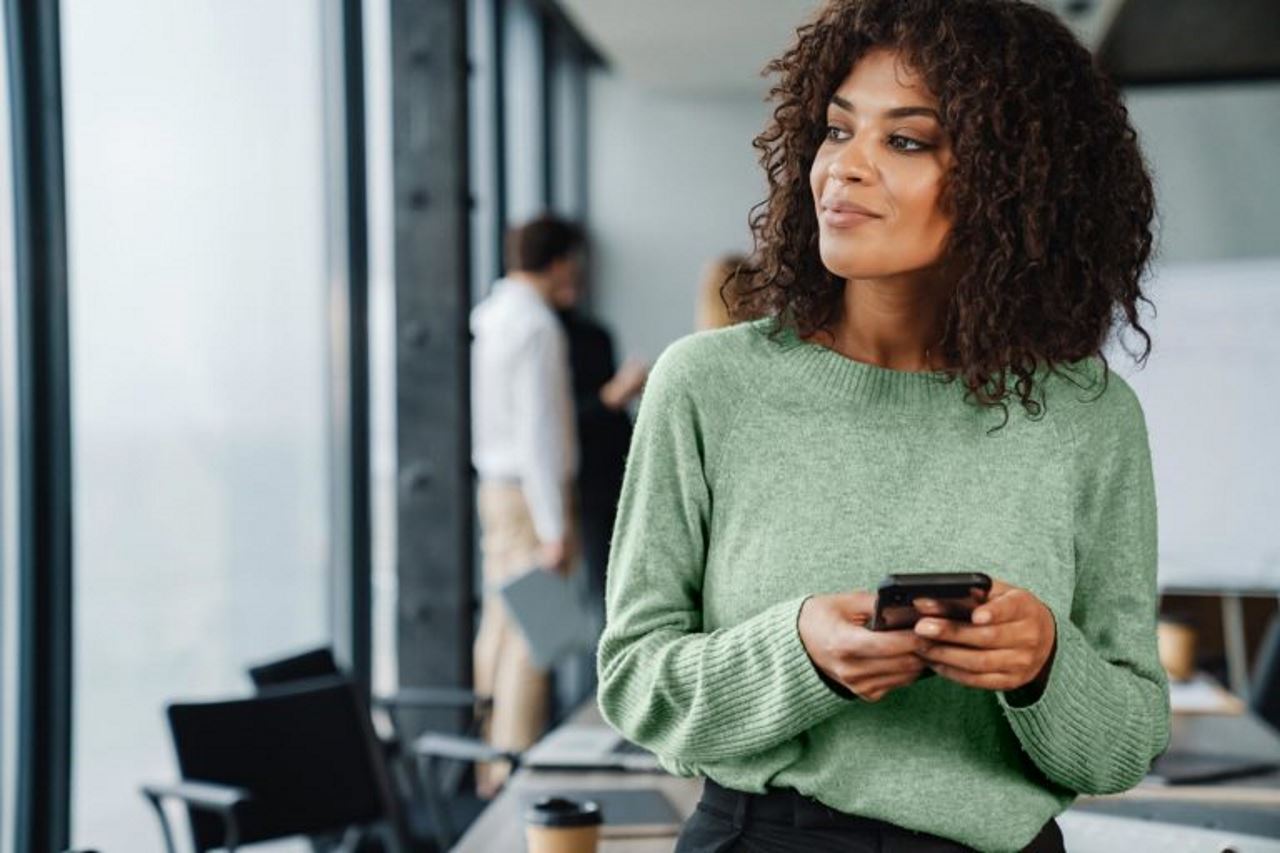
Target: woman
{"points": [[958, 211], [712, 311]]}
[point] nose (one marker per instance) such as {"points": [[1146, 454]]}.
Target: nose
{"points": [[852, 164]]}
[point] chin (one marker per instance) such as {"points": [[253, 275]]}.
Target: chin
{"points": [[845, 267]]}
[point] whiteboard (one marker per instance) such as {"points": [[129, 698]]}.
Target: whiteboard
{"points": [[1209, 392]]}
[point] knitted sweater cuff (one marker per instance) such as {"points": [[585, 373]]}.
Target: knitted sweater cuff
{"points": [[812, 696], [1090, 729], [759, 697]]}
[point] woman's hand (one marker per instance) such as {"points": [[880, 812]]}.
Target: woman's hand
{"points": [[1009, 646], [625, 385], [870, 663]]}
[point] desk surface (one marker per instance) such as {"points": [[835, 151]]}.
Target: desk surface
{"points": [[501, 826]]}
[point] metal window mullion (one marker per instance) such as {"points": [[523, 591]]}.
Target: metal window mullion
{"points": [[351, 572], [43, 812], [360, 508]]}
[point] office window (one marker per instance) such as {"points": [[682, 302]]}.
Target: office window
{"points": [[567, 88], [8, 472], [525, 113], [486, 144], [382, 339], [199, 206]]}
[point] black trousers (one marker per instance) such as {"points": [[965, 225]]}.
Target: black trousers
{"points": [[782, 821]]}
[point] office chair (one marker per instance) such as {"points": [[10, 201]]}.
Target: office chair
{"points": [[320, 662], [430, 773], [298, 760], [1264, 695], [313, 663], [434, 750]]}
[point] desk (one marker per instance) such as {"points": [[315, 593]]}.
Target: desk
{"points": [[501, 826]]}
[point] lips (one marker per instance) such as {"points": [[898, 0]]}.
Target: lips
{"points": [[838, 213], [842, 206]]}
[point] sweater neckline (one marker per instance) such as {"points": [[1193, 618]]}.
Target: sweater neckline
{"points": [[826, 370]]}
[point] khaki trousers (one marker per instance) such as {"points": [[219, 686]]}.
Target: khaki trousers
{"points": [[504, 670]]}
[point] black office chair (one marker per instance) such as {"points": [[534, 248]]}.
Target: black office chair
{"points": [[313, 663], [320, 662], [294, 761], [429, 774], [1264, 695]]}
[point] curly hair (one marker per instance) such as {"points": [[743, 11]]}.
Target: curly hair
{"points": [[1049, 197]]}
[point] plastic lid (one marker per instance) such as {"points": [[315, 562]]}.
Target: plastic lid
{"points": [[561, 811]]}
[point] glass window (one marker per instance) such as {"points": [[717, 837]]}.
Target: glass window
{"points": [[198, 205], [485, 147], [382, 341], [568, 90], [524, 103]]}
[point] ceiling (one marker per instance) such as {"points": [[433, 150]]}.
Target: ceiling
{"points": [[720, 46], [690, 45], [1159, 42]]}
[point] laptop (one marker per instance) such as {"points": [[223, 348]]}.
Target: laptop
{"points": [[586, 746]]}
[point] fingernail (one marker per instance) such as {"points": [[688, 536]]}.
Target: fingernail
{"points": [[982, 617], [928, 628]]}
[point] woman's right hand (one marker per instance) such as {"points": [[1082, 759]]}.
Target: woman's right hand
{"points": [[870, 663]]}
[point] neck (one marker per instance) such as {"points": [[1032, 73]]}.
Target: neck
{"points": [[893, 322], [541, 283]]}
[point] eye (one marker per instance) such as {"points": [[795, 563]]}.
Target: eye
{"points": [[907, 143], [832, 133]]}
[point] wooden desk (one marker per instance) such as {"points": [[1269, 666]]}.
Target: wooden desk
{"points": [[501, 827]]}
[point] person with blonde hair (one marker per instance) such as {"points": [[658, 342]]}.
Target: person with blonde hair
{"points": [[717, 283]]}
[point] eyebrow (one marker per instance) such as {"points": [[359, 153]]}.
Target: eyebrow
{"points": [[896, 112]]}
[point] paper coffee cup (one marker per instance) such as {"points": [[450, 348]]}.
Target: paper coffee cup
{"points": [[562, 825]]}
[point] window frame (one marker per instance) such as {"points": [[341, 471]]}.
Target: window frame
{"points": [[43, 417]]}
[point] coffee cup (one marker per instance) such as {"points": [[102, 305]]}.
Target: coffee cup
{"points": [[562, 825]]}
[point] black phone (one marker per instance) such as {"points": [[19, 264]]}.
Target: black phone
{"points": [[959, 593]]}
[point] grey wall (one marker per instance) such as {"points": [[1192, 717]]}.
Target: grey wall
{"points": [[672, 179], [1215, 152]]}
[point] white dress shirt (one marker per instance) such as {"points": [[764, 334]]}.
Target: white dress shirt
{"points": [[522, 422]]}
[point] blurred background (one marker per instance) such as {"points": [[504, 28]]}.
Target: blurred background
{"points": [[239, 240]]}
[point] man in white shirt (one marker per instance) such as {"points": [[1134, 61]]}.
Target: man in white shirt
{"points": [[524, 448]]}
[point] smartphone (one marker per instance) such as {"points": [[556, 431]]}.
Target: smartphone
{"points": [[959, 593]]}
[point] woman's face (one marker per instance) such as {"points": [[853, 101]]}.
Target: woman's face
{"points": [[878, 175]]}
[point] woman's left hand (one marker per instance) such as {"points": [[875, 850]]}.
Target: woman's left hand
{"points": [[1009, 645]]}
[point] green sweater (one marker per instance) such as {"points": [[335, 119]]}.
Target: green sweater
{"points": [[764, 472]]}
